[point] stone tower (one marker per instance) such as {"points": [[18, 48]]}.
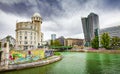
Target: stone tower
{"points": [[37, 21]]}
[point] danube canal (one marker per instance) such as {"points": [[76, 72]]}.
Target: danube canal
{"points": [[78, 63]]}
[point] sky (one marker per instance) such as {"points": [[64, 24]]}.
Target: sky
{"points": [[60, 17]]}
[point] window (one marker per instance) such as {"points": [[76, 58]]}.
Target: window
{"points": [[31, 37], [31, 33], [41, 40], [25, 42], [41, 36], [20, 37], [31, 27], [25, 37], [20, 42], [25, 25], [25, 32], [31, 42], [20, 33], [25, 47], [34, 38], [19, 26], [37, 18]]}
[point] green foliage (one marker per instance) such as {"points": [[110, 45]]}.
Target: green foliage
{"points": [[57, 53], [61, 47], [51, 42], [115, 42], [105, 40], [55, 43], [95, 42]]}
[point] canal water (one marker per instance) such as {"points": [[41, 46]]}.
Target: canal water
{"points": [[78, 63]]}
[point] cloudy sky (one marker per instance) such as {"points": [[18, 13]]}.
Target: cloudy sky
{"points": [[60, 17]]}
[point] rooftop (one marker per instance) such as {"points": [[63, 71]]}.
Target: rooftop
{"points": [[36, 15]]}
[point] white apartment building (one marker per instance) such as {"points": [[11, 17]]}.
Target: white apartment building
{"points": [[28, 34]]}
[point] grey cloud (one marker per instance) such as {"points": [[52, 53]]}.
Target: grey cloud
{"points": [[47, 8], [62, 17]]}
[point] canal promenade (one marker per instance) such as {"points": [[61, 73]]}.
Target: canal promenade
{"points": [[100, 50], [49, 60]]}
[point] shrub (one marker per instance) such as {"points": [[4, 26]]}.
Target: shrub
{"points": [[57, 53]]}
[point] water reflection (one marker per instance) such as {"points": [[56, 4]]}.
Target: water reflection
{"points": [[93, 63], [102, 63]]}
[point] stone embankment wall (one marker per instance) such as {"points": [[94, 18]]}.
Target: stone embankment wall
{"points": [[33, 64]]}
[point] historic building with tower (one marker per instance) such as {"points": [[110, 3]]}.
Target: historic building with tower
{"points": [[28, 34]]}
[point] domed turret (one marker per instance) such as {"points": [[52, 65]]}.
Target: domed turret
{"points": [[36, 17]]}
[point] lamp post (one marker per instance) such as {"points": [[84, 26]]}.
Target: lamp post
{"points": [[7, 55]]}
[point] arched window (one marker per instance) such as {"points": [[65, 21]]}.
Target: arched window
{"points": [[25, 37]]}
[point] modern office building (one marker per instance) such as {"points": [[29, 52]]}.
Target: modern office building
{"points": [[28, 34], [53, 36], [90, 27], [113, 31]]}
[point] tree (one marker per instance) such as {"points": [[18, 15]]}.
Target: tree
{"points": [[105, 40], [51, 42], [95, 42], [55, 43], [115, 42]]}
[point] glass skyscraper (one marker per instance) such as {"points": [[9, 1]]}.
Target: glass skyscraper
{"points": [[53, 36], [90, 27]]}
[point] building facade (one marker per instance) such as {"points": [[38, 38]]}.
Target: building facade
{"points": [[113, 31], [90, 26], [74, 42], [0, 56], [9, 39], [28, 34], [61, 40]]}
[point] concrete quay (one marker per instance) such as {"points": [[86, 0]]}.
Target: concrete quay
{"points": [[47, 61]]}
